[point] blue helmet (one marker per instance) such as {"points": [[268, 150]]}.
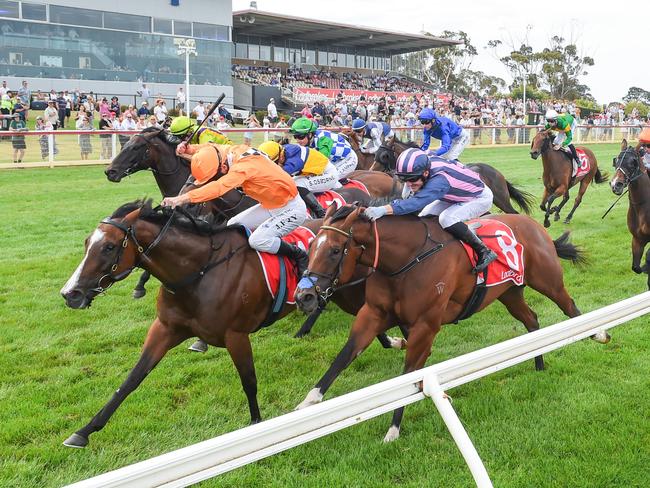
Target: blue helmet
{"points": [[358, 124], [427, 114], [412, 163]]}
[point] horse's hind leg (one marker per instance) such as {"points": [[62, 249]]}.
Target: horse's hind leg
{"points": [[139, 291], [160, 339], [583, 188], [514, 301], [239, 348]]}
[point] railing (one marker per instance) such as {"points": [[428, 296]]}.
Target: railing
{"points": [[67, 147], [227, 452]]}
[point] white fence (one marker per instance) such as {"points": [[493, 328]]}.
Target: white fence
{"points": [[230, 451]]}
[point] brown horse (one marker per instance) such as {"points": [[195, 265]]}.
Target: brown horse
{"points": [[213, 287], [422, 282], [631, 173], [365, 160], [557, 175], [502, 189]]}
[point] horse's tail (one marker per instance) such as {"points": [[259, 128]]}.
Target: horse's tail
{"points": [[601, 177], [567, 250], [521, 198]]}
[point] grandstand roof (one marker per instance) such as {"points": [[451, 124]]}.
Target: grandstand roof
{"points": [[272, 25]]}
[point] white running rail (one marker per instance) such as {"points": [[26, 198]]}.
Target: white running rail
{"points": [[230, 451]]}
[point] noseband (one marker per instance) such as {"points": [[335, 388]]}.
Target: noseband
{"points": [[636, 173]]}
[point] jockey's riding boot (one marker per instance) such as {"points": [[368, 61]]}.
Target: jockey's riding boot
{"points": [[296, 254], [574, 153], [312, 204], [484, 253], [344, 181]]}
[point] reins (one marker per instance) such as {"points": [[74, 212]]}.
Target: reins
{"points": [[629, 179]]}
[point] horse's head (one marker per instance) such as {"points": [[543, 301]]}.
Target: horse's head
{"points": [[385, 156], [629, 166], [142, 152], [333, 255], [541, 143], [112, 251]]}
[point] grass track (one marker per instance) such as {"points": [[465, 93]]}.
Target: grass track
{"points": [[582, 422]]}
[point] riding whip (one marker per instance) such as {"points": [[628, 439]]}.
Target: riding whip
{"points": [[615, 202], [188, 138]]}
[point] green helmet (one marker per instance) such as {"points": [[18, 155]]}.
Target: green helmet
{"points": [[303, 125], [181, 126]]}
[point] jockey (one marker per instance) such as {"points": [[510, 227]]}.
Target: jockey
{"points": [[644, 145], [435, 186], [566, 125], [453, 138], [181, 126], [311, 171], [377, 132], [219, 168], [330, 144]]}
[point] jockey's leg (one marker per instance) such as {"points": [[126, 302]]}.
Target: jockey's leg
{"points": [[310, 200], [457, 146], [452, 220], [572, 148]]}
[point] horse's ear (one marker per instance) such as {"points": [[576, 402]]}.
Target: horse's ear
{"points": [[624, 145], [330, 211]]}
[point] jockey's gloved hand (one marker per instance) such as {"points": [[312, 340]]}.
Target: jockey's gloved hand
{"points": [[374, 213]]}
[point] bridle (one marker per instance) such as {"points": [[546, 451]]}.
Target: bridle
{"points": [[636, 173], [148, 141]]}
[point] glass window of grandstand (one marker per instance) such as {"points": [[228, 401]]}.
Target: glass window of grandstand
{"points": [[322, 58], [163, 26], [182, 28], [349, 61], [8, 9], [279, 54], [253, 51], [310, 56], [241, 50], [136, 23], [75, 16], [265, 53], [33, 11], [205, 31]]}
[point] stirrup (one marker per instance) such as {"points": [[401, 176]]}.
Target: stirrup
{"points": [[484, 261]]}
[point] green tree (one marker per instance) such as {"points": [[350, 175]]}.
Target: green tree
{"points": [[562, 66], [637, 94]]}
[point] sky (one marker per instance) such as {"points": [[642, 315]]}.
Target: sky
{"points": [[610, 32]]}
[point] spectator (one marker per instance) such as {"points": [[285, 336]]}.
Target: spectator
{"points": [[18, 125], [222, 124], [43, 125], [61, 104], [252, 123], [160, 111], [180, 96], [104, 107], [272, 111], [105, 124], [127, 123], [3, 89], [18, 107], [306, 111], [68, 106], [115, 106], [25, 95], [144, 93], [85, 144], [199, 111], [144, 109], [51, 115], [152, 121], [141, 122], [5, 108]]}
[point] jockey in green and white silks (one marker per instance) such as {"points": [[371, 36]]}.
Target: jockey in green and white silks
{"points": [[565, 125]]}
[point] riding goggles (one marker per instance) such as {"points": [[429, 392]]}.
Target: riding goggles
{"points": [[426, 121], [409, 178], [299, 137]]}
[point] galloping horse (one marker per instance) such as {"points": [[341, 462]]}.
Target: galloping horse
{"points": [[502, 189], [365, 160], [631, 173], [557, 175], [213, 288], [422, 282]]}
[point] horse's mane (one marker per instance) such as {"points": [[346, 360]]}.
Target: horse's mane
{"points": [[127, 208], [343, 212], [407, 143]]}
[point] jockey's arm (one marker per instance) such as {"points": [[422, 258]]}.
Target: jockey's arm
{"points": [[375, 141], [569, 136], [324, 146], [434, 189], [427, 140], [445, 143], [214, 189]]}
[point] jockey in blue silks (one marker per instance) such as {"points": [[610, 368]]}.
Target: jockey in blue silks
{"points": [[377, 132], [436, 186], [453, 138]]}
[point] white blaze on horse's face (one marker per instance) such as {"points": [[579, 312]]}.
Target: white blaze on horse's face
{"points": [[73, 282], [320, 241]]}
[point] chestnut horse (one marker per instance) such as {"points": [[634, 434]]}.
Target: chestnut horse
{"points": [[502, 189], [423, 279], [213, 287], [557, 175], [631, 173]]}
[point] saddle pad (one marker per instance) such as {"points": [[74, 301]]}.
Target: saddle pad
{"points": [[509, 265], [301, 237], [330, 197], [584, 166], [356, 184]]}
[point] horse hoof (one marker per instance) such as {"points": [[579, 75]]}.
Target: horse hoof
{"points": [[547, 223], [199, 346], [556, 217], [312, 398], [602, 337], [392, 434], [77, 441], [139, 293], [397, 342], [300, 335], [637, 269], [567, 221]]}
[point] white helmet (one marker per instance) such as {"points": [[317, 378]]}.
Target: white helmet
{"points": [[551, 114]]}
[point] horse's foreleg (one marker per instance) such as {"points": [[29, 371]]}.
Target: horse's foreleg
{"points": [[309, 323], [514, 301], [239, 348], [583, 188], [547, 222], [419, 348], [637, 251], [557, 209], [160, 339], [139, 291], [543, 202], [367, 325]]}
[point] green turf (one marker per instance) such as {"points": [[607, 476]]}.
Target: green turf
{"points": [[583, 422]]}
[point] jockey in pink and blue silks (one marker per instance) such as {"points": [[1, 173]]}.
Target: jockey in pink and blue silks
{"points": [[448, 189]]}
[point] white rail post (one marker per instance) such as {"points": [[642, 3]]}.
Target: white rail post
{"points": [[113, 145], [50, 149], [431, 388], [494, 135]]}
